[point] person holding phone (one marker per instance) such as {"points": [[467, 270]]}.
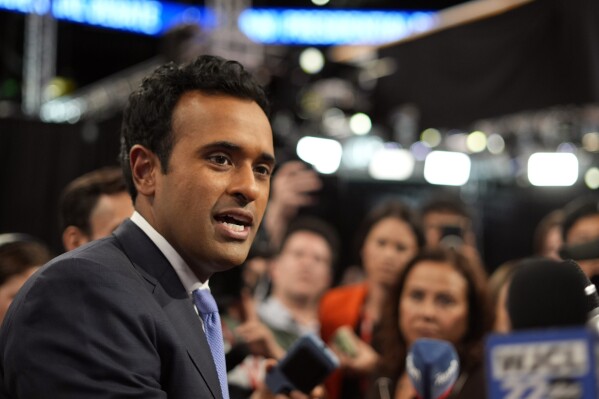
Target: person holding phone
{"points": [[448, 222], [390, 235]]}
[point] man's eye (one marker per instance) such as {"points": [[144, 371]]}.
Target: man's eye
{"points": [[263, 170], [220, 159]]}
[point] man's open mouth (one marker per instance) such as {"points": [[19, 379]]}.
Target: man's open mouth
{"points": [[234, 222]]}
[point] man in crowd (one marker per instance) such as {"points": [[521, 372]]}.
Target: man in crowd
{"points": [[449, 222], [300, 273], [580, 233], [93, 205]]}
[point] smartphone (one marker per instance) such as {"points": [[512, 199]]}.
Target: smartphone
{"points": [[307, 363], [452, 236], [345, 342]]}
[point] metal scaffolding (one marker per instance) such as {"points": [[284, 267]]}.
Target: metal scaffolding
{"points": [[104, 98], [227, 40], [39, 65]]}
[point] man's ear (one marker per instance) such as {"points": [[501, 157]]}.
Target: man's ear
{"points": [[144, 166], [73, 237]]}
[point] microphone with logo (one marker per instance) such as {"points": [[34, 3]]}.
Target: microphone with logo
{"points": [[433, 367], [551, 352]]}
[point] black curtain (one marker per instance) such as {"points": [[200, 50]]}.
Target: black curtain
{"points": [[538, 55], [37, 160]]}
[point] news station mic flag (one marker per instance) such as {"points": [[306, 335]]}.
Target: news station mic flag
{"points": [[551, 353], [559, 363], [433, 367]]}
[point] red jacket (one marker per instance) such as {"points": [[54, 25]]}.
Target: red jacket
{"points": [[339, 307]]}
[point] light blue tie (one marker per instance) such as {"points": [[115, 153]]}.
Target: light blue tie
{"points": [[208, 310]]}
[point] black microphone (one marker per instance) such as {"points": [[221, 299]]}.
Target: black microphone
{"points": [[546, 293], [586, 250]]}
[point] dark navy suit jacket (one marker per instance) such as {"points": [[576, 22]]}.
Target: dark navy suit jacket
{"points": [[107, 320]]}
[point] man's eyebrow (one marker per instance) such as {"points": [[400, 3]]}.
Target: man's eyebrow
{"points": [[227, 145], [266, 157]]}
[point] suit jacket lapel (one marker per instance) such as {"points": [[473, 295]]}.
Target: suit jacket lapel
{"points": [[163, 282]]}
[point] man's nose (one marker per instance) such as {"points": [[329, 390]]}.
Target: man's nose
{"points": [[244, 185]]}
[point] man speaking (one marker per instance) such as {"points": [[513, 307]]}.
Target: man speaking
{"points": [[124, 317]]}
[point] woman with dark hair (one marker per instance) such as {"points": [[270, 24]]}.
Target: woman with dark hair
{"points": [[389, 237], [440, 294]]}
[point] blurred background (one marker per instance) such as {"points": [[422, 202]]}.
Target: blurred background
{"points": [[494, 101]]}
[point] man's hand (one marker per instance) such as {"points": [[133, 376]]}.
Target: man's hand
{"points": [[258, 337], [292, 187]]}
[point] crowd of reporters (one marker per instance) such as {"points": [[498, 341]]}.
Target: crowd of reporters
{"points": [[420, 276]]}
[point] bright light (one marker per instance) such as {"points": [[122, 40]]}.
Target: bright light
{"points": [[590, 141], [359, 150], [447, 168], [431, 136], [311, 60], [476, 141], [57, 87], [263, 25], [323, 154], [138, 16], [591, 178], [391, 164], [141, 16], [360, 124], [495, 144], [60, 111], [332, 27], [334, 122], [320, 2], [552, 169], [27, 6]]}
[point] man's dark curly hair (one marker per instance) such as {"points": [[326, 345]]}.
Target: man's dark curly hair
{"points": [[147, 119]]}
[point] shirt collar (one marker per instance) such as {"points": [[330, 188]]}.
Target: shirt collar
{"points": [[184, 272]]}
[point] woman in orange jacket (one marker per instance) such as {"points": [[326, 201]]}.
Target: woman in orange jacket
{"points": [[388, 239]]}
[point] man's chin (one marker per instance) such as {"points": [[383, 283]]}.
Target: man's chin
{"points": [[234, 258]]}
